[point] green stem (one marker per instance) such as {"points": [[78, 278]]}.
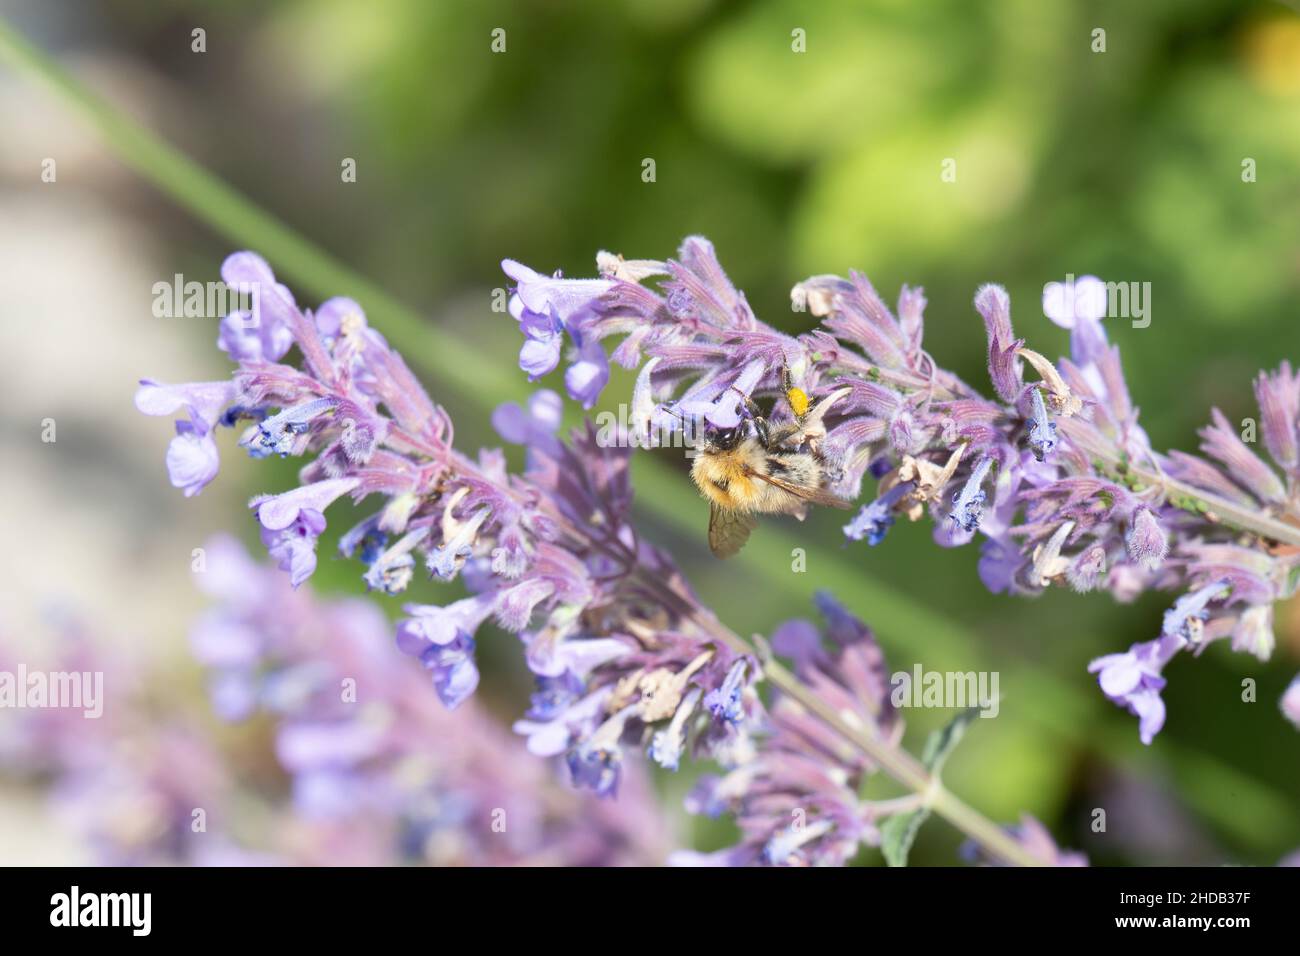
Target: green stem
{"points": [[1209, 506]]}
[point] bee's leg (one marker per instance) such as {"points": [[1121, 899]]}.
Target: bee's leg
{"points": [[756, 416], [787, 377]]}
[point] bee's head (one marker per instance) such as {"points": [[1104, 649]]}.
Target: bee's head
{"points": [[722, 439]]}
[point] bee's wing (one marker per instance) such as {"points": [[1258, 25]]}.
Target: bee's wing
{"points": [[728, 530], [812, 495]]}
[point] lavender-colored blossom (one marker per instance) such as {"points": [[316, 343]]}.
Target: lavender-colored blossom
{"points": [[968, 504], [1133, 680], [1146, 540], [875, 519], [1042, 430]]}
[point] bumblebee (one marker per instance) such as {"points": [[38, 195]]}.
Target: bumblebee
{"points": [[757, 468]]}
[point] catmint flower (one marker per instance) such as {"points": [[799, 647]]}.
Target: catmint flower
{"points": [[446, 560], [725, 701], [1186, 618], [279, 433], [293, 547], [1146, 540], [968, 505], [1133, 680], [1042, 430], [596, 763], [994, 305], [875, 519], [1254, 632], [624, 655], [667, 745], [1278, 395], [727, 409], [192, 457]]}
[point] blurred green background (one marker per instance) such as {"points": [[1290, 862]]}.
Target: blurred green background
{"points": [[1125, 163]]}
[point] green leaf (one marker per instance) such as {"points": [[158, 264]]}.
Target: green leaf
{"points": [[941, 743], [897, 834]]}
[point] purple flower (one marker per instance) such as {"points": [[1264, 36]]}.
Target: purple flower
{"points": [[1146, 540], [446, 560], [586, 378], [1186, 618], [724, 701], [293, 546], [994, 305], [192, 457], [280, 433], [1133, 680], [430, 625], [1042, 430], [876, 518], [452, 667], [1278, 395], [726, 410], [263, 336], [968, 505], [279, 511], [547, 308]]}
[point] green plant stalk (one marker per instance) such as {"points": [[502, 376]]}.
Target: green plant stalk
{"points": [[905, 621]]}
